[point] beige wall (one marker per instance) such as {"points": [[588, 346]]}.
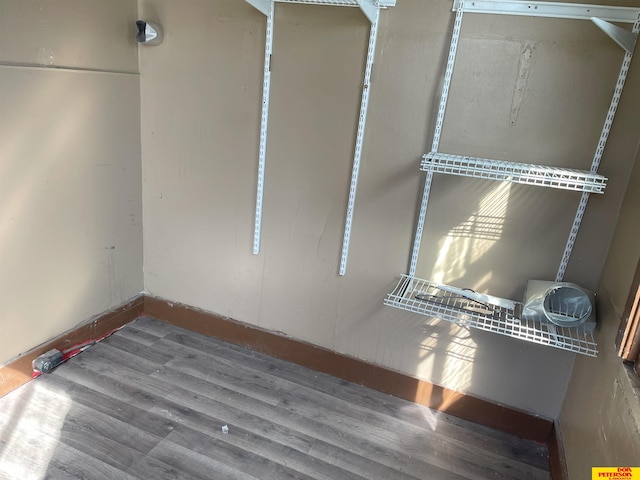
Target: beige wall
{"points": [[70, 206], [600, 418], [200, 94], [70, 33], [70, 175]]}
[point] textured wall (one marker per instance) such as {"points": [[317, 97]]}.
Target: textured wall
{"points": [[201, 92], [70, 175], [600, 418]]}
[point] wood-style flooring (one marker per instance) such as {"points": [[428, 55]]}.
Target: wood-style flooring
{"points": [[151, 400]]}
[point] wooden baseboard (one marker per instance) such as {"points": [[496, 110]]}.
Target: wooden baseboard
{"points": [[18, 372], [557, 462], [500, 417], [483, 412]]}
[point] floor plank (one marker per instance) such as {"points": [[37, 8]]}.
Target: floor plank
{"points": [[350, 397], [482, 437], [150, 402], [385, 430], [170, 460]]}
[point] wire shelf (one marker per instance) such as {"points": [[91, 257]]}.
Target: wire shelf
{"points": [[426, 298], [525, 173], [340, 3]]}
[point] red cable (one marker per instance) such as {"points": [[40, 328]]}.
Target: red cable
{"points": [[75, 350]]}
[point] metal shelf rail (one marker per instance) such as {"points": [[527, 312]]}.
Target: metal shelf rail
{"points": [[432, 302], [436, 301], [525, 173], [371, 9], [338, 3]]}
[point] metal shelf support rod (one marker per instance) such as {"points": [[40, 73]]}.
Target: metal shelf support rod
{"points": [[622, 76], [451, 60], [371, 9], [342, 3], [364, 104], [264, 122]]}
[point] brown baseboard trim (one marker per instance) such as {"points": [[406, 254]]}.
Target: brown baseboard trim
{"points": [[500, 417], [557, 461], [18, 372]]}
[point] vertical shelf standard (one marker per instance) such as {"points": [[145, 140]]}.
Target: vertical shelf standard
{"points": [[371, 9]]}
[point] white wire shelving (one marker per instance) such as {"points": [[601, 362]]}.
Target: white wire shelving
{"points": [[371, 9], [525, 173], [341, 3], [436, 301], [427, 298]]}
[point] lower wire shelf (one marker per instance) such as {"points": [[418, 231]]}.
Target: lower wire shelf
{"points": [[427, 298]]}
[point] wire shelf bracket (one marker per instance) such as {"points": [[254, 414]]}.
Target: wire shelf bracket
{"points": [[624, 38], [371, 9], [437, 301], [264, 6]]}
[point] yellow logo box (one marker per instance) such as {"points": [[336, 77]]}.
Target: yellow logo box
{"points": [[615, 473]]}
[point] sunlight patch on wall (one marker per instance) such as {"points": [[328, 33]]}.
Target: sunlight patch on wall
{"points": [[447, 355], [447, 351], [47, 205], [468, 241], [45, 144]]}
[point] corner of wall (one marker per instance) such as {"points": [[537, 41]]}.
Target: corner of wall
{"points": [[70, 195], [600, 416]]}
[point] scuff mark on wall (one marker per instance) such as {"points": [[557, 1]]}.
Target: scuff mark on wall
{"points": [[524, 67]]}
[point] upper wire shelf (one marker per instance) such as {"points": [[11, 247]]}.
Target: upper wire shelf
{"points": [[341, 3], [525, 173], [427, 298]]}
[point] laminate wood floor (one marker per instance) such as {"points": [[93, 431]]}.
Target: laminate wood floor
{"points": [[150, 402]]}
